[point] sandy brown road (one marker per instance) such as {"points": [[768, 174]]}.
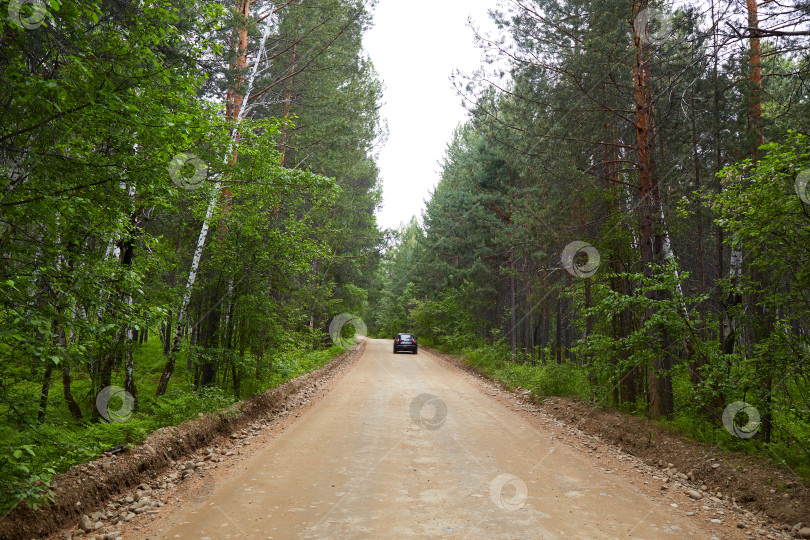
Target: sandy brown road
{"points": [[379, 458]]}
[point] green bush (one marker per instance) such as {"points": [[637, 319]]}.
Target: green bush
{"points": [[21, 480]]}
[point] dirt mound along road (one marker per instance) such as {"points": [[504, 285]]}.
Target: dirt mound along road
{"points": [[406, 446]]}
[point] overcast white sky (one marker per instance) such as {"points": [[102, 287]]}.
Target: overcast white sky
{"points": [[415, 46]]}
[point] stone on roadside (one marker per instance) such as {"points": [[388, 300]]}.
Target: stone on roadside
{"points": [[85, 524], [140, 504]]}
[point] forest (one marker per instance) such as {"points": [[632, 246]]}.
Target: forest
{"points": [[188, 198], [188, 195], [625, 217]]}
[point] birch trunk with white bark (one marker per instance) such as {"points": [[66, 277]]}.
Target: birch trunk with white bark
{"points": [[182, 314]]}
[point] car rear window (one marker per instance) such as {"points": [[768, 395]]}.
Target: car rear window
{"points": [[406, 335]]}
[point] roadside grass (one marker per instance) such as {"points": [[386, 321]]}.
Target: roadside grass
{"points": [[549, 379], [30, 453]]}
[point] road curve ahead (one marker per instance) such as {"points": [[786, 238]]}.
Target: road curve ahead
{"points": [[406, 446]]}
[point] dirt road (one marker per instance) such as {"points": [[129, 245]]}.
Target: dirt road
{"points": [[407, 446]]}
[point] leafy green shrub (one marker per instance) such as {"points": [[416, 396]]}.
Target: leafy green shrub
{"points": [[21, 480]]}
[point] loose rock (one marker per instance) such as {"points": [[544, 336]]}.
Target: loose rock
{"points": [[85, 524], [694, 494]]}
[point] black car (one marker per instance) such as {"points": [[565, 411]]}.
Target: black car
{"points": [[404, 342]]}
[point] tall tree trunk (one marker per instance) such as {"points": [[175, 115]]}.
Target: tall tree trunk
{"points": [[512, 307], [699, 210], [755, 60], [528, 319], [129, 370], [58, 340], [559, 347], [72, 406], [127, 257], [659, 382], [764, 321], [718, 152], [288, 97], [107, 361], [729, 328], [46, 389], [166, 333], [545, 332]]}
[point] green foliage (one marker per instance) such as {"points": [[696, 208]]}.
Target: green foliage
{"points": [[670, 314], [22, 482]]}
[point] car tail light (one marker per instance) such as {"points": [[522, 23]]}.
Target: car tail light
{"points": [[396, 341]]}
